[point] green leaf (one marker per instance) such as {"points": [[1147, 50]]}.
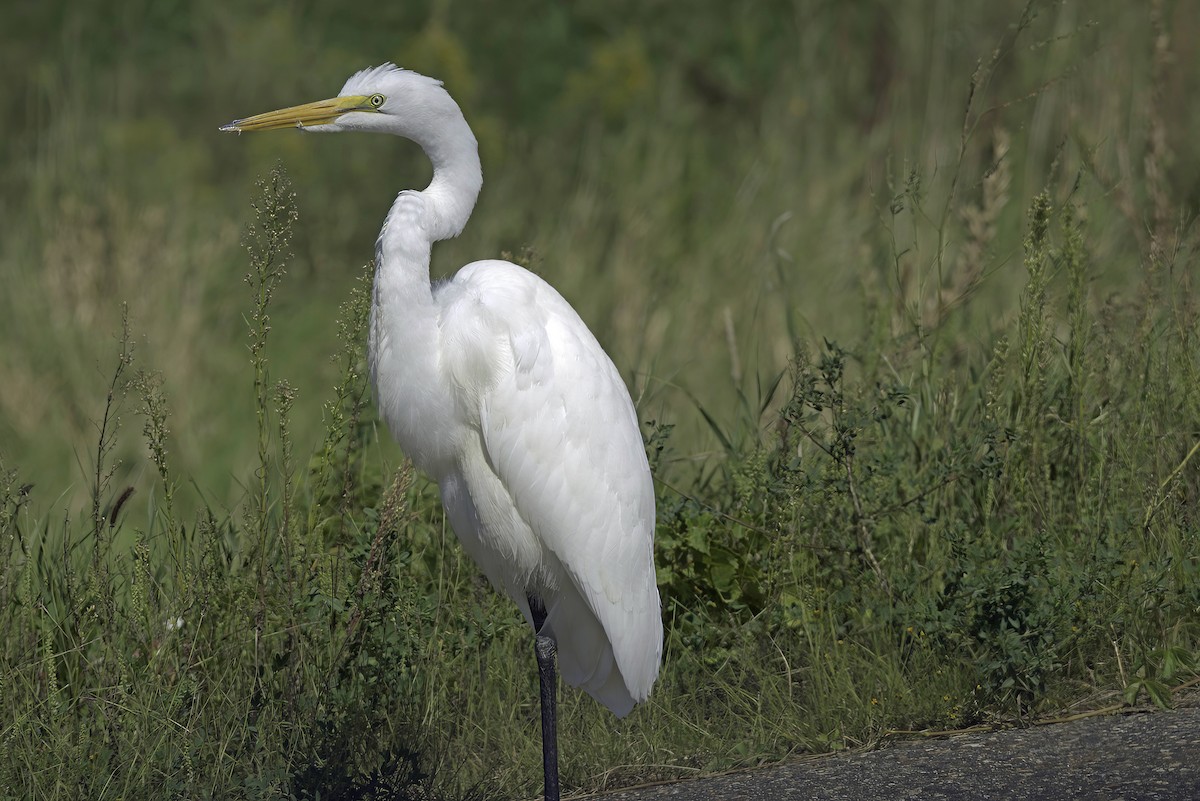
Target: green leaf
{"points": [[1159, 693], [723, 577]]}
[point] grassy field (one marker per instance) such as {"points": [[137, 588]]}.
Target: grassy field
{"points": [[905, 297]]}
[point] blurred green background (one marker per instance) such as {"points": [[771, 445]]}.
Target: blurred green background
{"points": [[904, 293], [708, 183]]}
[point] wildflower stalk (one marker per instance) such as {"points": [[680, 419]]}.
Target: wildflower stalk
{"points": [[285, 396], [1077, 318], [155, 430], [267, 243], [106, 429], [343, 412]]}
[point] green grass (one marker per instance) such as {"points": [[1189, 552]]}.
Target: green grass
{"points": [[906, 300]]}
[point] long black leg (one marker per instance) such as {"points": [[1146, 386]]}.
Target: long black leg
{"points": [[544, 646]]}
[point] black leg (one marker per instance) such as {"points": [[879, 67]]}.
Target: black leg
{"points": [[545, 649]]}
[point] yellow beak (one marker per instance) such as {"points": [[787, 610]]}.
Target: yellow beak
{"points": [[322, 112]]}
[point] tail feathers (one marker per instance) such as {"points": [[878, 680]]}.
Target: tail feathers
{"points": [[585, 655]]}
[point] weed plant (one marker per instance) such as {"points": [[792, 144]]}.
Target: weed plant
{"points": [[973, 506]]}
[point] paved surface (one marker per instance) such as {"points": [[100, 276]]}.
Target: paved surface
{"points": [[1151, 756]]}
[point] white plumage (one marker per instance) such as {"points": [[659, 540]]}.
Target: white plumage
{"points": [[496, 388], [551, 492]]}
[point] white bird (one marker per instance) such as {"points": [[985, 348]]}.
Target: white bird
{"points": [[495, 387]]}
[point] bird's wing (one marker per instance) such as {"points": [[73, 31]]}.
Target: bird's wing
{"points": [[560, 433]]}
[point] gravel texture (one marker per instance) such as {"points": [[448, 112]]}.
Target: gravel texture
{"points": [[1149, 755]]}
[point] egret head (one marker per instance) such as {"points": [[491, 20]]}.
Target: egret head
{"points": [[384, 98], [391, 100]]}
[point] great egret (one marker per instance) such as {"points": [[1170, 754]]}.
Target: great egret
{"points": [[495, 387]]}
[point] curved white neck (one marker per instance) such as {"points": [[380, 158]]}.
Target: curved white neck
{"points": [[418, 219], [457, 179], [405, 343]]}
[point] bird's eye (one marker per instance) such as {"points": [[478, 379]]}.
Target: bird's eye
{"points": [[376, 101]]}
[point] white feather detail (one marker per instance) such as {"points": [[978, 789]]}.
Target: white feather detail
{"points": [[557, 487]]}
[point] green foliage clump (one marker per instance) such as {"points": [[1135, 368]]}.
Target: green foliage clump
{"points": [[994, 520]]}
